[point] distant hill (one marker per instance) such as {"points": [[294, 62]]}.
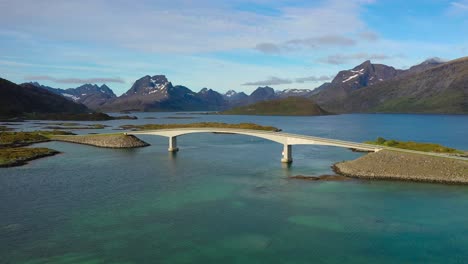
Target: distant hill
{"points": [[439, 89], [16, 100], [291, 106], [91, 95]]}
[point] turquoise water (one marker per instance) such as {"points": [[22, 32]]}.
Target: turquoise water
{"points": [[227, 199]]}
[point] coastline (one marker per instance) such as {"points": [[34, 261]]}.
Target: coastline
{"points": [[24, 161], [403, 166], [104, 141]]}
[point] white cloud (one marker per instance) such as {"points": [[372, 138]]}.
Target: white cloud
{"points": [[177, 26], [346, 58], [271, 81], [74, 80]]}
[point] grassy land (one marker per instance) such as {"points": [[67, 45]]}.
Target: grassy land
{"points": [[19, 156], [199, 125], [291, 106], [15, 139], [426, 147], [12, 152], [73, 126]]}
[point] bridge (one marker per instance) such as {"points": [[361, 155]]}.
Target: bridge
{"points": [[287, 139]]}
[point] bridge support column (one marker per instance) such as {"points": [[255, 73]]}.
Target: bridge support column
{"points": [[287, 154], [173, 144]]}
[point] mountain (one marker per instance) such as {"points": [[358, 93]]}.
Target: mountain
{"points": [[261, 94], [91, 95], [290, 106], [425, 65], [320, 88], [156, 93], [293, 92], [438, 89], [16, 100], [347, 81], [212, 99], [234, 98]]}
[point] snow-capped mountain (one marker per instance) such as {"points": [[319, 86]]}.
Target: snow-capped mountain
{"points": [[293, 92], [90, 95], [156, 93]]}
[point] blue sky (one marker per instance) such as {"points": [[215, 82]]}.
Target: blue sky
{"points": [[221, 44]]}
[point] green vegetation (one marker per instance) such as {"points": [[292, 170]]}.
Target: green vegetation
{"points": [[19, 156], [12, 152], [426, 147], [202, 124], [75, 126], [291, 106], [15, 139], [76, 117]]}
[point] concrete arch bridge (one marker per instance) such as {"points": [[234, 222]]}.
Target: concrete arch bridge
{"points": [[287, 139]]}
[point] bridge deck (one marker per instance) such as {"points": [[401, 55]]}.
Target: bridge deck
{"points": [[285, 138], [280, 137]]}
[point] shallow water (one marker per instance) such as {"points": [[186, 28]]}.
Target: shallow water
{"points": [[227, 199]]}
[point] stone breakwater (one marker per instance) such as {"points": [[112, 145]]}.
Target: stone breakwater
{"points": [[395, 165], [104, 141]]}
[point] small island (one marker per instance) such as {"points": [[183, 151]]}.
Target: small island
{"points": [[290, 106], [406, 160], [13, 151]]}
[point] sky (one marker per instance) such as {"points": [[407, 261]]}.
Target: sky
{"points": [[221, 44]]}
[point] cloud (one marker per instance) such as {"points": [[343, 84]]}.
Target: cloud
{"points": [[279, 81], [457, 8], [345, 58], [268, 48], [461, 5], [369, 36], [181, 26], [271, 81], [322, 78], [330, 40], [320, 42], [73, 80]]}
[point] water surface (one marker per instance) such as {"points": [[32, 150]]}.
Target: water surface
{"points": [[227, 199]]}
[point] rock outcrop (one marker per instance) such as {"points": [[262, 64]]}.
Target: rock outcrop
{"points": [[396, 165], [104, 141]]}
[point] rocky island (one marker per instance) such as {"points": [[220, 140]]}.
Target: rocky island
{"points": [[398, 165]]}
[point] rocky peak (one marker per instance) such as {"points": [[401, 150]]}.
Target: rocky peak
{"points": [[425, 65], [147, 85], [364, 74], [230, 93], [159, 79], [204, 90], [293, 92], [262, 94], [434, 60]]}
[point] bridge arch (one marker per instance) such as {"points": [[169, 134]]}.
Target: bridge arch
{"points": [[286, 139]]}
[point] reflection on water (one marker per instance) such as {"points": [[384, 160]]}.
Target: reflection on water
{"points": [[227, 199]]}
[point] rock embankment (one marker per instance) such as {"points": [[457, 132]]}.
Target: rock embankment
{"points": [[104, 141], [396, 165]]}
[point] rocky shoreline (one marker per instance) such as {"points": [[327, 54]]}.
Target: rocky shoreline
{"points": [[397, 165], [104, 141]]}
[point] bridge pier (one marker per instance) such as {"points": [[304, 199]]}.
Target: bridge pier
{"points": [[287, 154], [173, 144]]}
